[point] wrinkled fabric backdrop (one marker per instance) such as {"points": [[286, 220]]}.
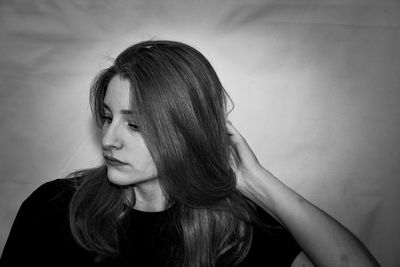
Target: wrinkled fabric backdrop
{"points": [[315, 86]]}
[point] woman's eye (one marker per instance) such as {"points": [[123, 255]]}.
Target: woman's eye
{"points": [[133, 126], [106, 119]]}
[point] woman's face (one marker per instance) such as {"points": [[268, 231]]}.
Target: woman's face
{"points": [[125, 153]]}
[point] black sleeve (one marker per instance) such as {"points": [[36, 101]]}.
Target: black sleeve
{"points": [[40, 234], [272, 245]]}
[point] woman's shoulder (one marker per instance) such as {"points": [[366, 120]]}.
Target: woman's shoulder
{"points": [[41, 231], [272, 243], [53, 194]]}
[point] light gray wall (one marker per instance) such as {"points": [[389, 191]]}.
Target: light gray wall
{"points": [[315, 84]]}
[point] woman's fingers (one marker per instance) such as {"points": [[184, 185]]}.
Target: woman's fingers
{"points": [[240, 144], [234, 134]]}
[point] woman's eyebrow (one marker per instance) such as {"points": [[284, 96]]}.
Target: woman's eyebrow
{"points": [[123, 111], [127, 112]]}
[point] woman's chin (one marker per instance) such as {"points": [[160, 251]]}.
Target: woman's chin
{"points": [[118, 179], [122, 179]]}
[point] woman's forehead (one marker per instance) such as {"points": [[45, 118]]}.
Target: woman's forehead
{"points": [[118, 93]]}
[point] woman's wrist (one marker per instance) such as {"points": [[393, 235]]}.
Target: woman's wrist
{"points": [[272, 195], [259, 187]]}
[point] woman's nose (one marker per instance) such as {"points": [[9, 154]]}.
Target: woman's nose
{"points": [[111, 137]]}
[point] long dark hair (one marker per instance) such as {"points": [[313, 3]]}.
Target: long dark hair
{"points": [[181, 105]]}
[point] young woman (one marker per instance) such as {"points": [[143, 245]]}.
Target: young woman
{"points": [[179, 185]]}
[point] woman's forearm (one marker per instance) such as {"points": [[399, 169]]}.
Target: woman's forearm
{"points": [[325, 241]]}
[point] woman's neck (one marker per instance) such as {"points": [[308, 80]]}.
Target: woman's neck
{"points": [[149, 196]]}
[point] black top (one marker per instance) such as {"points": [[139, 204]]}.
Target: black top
{"points": [[40, 236]]}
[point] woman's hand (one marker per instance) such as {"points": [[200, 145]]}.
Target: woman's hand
{"points": [[249, 171]]}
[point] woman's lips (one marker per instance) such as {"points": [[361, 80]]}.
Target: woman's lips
{"points": [[113, 161]]}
